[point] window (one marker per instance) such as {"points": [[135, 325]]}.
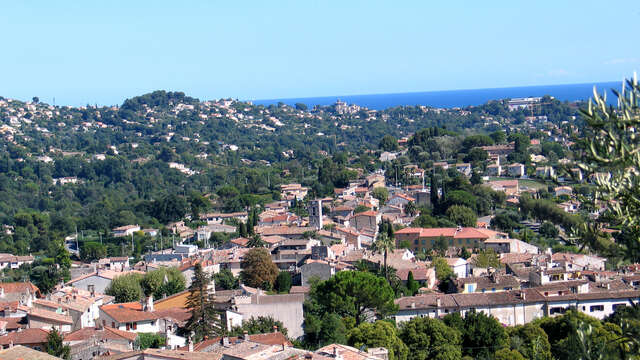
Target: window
{"points": [[128, 326], [615, 306], [493, 289], [450, 241], [468, 241], [557, 310], [415, 242], [135, 326], [424, 242], [483, 289], [596, 308], [113, 325]]}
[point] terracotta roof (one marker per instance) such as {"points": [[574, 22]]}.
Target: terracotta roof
{"points": [[19, 287], [241, 241], [50, 316], [20, 352], [107, 333], [128, 312], [160, 354], [366, 213], [418, 274], [26, 336]]}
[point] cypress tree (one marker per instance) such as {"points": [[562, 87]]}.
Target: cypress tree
{"points": [[205, 319]]}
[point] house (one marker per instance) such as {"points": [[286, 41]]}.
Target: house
{"points": [[544, 172], [97, 281], [400, 199], [32, 338], [39, 318], [23, 292], [126, 230], [88, 343], [464, 169], [82, 306], [291, 192], [491, 283], [221, 218], [502, 245], [516, 170], [387, 156], [13, 262], [509, 187], [494, 170], [425, 276], [494, 151], [286, 308], [142, 317], [367, 220], [422, 239], [514, 307], [563, 190], [459, 266]]}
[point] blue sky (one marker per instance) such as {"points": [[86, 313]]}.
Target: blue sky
{"points": [[105, 51]]}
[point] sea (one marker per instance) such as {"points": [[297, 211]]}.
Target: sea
{"points": [[458, 98]]}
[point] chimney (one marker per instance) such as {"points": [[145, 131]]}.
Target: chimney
{"points": [[438, 302], [275, 328], [149, 304], [523, 295], [225, 341], [413, 305], [245, 336], [190, 345]]}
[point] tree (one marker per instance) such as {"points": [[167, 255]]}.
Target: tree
{"points": [[476, 155], [462, 216], [163, 282], [487, 258], [388, 143], [225, 280], [482, 335], [610, 147], [150, 340], [321, 330], [256, 242], [443, 270], [258, 270], [412, 285], [258, 325], [360, 208], [379, 334], [92, 251], [506, 354], [429, 338], [353, 293], [205, 320], [441, 245], [380, 193], [126, 288], [383, 244], [55, 345], [35, 99], [531, 341], [411, 208], [283, 282], [301, 106], [548, 230]]}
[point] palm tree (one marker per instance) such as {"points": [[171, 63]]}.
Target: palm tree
{"points": [[383, 244], [256, 241]]}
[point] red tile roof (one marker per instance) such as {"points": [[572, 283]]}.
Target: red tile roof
{"points": [[26, 336], [104, 333]]}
